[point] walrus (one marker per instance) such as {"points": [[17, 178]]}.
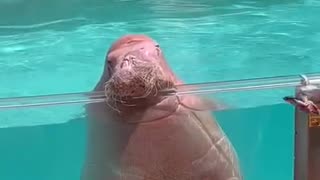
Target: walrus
{"points": [[141, 134]]}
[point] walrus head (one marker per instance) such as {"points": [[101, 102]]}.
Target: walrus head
{"points": [[136, 69]]}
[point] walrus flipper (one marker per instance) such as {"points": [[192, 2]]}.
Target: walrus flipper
{"points": [[222, 156], [221, 160]]}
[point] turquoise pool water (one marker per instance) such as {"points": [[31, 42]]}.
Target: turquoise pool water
{"points": [[51, 47], [57, 47]]}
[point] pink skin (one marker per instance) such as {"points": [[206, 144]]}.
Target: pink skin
{"points": [[127, 44], [158, 138]]}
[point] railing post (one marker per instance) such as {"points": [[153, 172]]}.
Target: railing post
{"points": [[307, 138]]}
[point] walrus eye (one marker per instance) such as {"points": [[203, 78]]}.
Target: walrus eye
{"points": [[158, 49]]}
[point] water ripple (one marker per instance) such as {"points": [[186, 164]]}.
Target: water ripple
{"points": [[45, 24], [241, 40]]}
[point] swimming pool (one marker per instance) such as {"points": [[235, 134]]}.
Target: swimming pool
{"points": [[59, 47]]}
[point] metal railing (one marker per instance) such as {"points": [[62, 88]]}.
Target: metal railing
{"points": [[196, 88]]}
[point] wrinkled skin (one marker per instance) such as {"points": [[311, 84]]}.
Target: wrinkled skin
{"points": [[156, 137]]}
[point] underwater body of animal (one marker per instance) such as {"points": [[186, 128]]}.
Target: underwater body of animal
{"points": [[141, 135]]}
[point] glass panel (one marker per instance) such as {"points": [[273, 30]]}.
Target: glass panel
{"points": [[51, 142], [263, 136], [42, 143]]}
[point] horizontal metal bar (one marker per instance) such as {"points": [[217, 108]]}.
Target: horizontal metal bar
{"points": [[196, 88]]}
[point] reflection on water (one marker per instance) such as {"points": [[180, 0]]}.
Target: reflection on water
{"points": [[262, 137]]}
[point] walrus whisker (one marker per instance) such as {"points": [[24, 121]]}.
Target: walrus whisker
{"points": [[155, 91], [113, 107], [109, 95], [148, 90], [124, 102], [147, 76]]}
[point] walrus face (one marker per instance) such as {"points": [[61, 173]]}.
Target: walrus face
{"points": [[136, 69]]}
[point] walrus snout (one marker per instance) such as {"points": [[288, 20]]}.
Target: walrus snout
{"points": [[128, 61], [136, 69]]}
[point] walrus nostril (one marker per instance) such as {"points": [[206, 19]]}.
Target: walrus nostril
{"points": [[125, 63]]}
